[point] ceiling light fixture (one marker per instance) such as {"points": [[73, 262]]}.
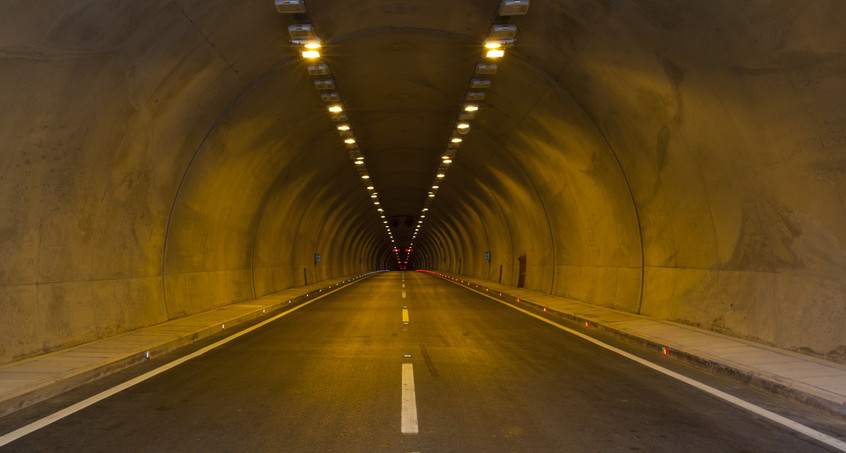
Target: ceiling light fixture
{"points": [[327, 83], [301, 33], [480, 83], [513, 7], [290, 6], [503, 33], [336, 108], [318, 69], [494, 53], [331, 96], [485, 68]]}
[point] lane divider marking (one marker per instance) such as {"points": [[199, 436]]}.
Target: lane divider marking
{"points": [[72, 409], [403, 294], [755, 409], [405, 316], [409, 400]]}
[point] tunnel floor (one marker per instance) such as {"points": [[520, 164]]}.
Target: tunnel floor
{"points": [[334, 375]]}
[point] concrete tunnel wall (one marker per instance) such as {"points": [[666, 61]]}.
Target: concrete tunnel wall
{"points": [[682, 160]]}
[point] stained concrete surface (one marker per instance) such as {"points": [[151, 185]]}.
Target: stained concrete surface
{"points": [[680, 160]]}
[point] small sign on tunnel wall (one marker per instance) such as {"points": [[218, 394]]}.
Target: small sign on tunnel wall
{"points": [[316, 258], [487, 256]]}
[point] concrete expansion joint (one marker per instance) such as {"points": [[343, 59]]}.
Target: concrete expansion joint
{"points": [[829, 399]]}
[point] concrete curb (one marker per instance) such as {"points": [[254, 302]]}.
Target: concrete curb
{"points": [[750, 375], [62, 381]]}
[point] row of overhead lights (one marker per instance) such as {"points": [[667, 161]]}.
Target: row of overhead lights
{"points": [[304, 36], [501, 36]]}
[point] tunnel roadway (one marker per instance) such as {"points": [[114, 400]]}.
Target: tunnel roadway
{"points": [[332, 377]]}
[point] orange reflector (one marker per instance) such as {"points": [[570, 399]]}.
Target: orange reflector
{"points": [[587, 324]]}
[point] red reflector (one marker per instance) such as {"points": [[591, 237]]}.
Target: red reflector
{"points": [[500, 294], [665, 351], [544, 308], [587, 324]]}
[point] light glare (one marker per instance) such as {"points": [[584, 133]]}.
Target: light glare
{"points": [[311, 54]]}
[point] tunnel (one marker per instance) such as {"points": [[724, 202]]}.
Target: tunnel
{"points": [[683, 161]]}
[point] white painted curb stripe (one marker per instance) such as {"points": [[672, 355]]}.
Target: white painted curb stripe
{"points": [[38, 424], [409, 400], [798, 427]]}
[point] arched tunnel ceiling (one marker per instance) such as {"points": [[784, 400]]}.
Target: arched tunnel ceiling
{"points": [[681, 160]]}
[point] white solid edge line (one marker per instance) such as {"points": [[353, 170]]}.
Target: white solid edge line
{"points": [[52, 418], [798, 427], [409, 400]]}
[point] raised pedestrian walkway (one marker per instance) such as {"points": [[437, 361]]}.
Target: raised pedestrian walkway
{"points": [[35, 379], [805, 378]]}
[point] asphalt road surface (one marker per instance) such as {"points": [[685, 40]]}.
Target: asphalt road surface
{"points": [[346, 374]]}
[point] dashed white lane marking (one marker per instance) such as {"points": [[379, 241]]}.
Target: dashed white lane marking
{"points": [[405, 316], [409, 400], [70, 410], [403, 294], [784, 421]]}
